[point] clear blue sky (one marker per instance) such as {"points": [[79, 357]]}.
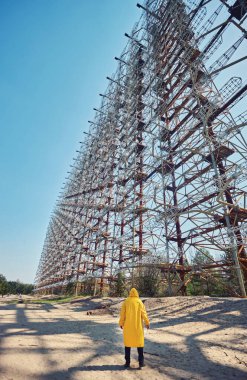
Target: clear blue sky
{"points": [[55, 56]]}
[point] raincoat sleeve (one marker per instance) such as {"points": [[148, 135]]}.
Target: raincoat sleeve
{"points": [[122, 315], [145, 316]]}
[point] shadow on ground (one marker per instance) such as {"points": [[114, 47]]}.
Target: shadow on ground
{"points": [[106, 341]]}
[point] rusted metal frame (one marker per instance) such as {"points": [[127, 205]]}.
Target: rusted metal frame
{"points": [[232, 20], [145, 179], [96, 243], [87, 206], [186, 136], [194, 11], [212, 117], [242, 144], [219, 265], [229, 65], [56, 242], [158, 51], [104, 254], [57, 219], [204, 199], [83, 238], [60, 229], [180, 241], [183, 121], [205, 231], [163, 15], [177, 95], [190, 113], [140, 137], [216, 36], [92, 190], [238, 26], [164, 65], [199, 234], [185, 159], [148, 11], [73, 270], [87, 233], [71, 209], [67, 230], [137, 182], [227, 104], [231, 234], [164, 195], [64, 243], [211, 30], [90, 240], [107, 229], [166, 8], [203, 171], [180, 107], [227, 192], [174, 49], [176, 166], [205, 235], [70, 217], [176, 83], [167, 33], [237, 232], [47, 260], [177, 57], [121, 258]]}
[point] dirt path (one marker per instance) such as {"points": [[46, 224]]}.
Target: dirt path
{"points": [[190, 338]]}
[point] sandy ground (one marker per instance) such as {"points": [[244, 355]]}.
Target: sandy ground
{"points": [[190, 338]]}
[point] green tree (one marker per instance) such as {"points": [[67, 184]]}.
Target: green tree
{"points": [[202, 257], [28, 288], [3, 285], [147, 281], [16, 287], [205, 282], [70, 288], [120, 285], [19, 287], [118, 289], [230, 274], [12, 287]]}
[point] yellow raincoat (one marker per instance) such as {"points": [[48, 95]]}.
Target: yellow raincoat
{"points": [[132, 315]]}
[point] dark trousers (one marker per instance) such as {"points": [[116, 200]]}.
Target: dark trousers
{"points": [[140, 355]]}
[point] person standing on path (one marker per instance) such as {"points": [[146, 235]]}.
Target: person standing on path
{"points": [[131, 319]]}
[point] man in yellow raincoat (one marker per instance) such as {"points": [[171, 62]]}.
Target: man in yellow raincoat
{"points": [[131, 319]]}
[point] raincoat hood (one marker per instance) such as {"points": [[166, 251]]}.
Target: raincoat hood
{"points": [[133, 293]]}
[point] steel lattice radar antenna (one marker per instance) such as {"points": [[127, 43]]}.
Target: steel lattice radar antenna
{"points": [[162, 173]]}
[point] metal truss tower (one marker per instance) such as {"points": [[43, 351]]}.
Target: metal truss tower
{"points": [[162, 172]]}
